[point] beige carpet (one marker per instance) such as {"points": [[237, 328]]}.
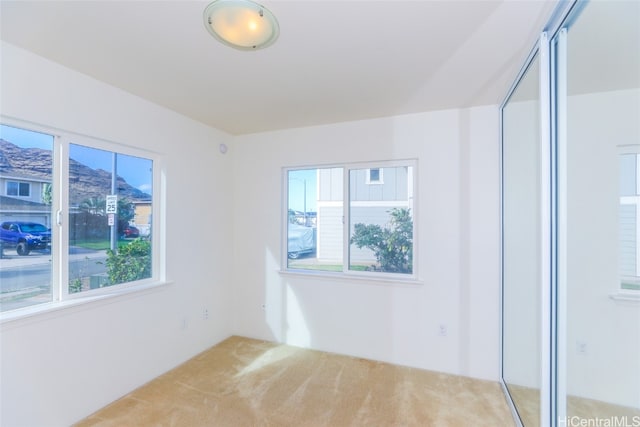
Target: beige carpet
{"points": [[244, 382], [580, 411]]}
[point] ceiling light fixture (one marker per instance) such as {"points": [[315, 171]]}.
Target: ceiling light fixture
{"points": [[241, 24]]}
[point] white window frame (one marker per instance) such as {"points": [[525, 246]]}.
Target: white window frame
{"points": [[61, 298], [372, 276], [65, 141]]}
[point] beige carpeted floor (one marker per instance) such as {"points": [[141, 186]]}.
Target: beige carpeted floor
{"points": [[580, 411], [244, 382]]}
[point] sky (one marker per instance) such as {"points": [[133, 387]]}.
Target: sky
{"points": [[298, 180], [135, 170]]}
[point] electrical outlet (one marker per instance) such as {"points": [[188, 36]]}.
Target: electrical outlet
{"points": [[264, 307], [442, 330], [205, 313], [581, 347]]}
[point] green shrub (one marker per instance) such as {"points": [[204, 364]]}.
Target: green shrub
{"points": [[391, 245], [131, 262], [75, 286]]}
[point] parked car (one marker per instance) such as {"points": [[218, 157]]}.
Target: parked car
{"points": [[24, 236], [130, 232], [301, 241]]}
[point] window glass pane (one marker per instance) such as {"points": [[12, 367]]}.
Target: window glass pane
{"points": [[25, 218], [23, 189], [628, 220], [628, 174], [12, 188], [381, 222], [110, 198], [315, 219]]}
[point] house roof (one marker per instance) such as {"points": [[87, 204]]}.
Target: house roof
{"points": [[334, 60], [24, 177], [14, 204]]}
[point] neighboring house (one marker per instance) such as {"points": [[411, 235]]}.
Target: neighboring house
{"points": [[142, 216], [374, 192], [21, 199], [13, 209]]}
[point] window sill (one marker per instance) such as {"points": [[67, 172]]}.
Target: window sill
{"points": [[56, 308], [354, 278], [626, 296]]}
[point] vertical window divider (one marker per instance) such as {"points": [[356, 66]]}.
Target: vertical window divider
{"points": [[346, 214], [61, 177], [284, 216], [158, 219]]}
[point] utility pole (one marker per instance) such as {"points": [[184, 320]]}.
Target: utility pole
{"points": [[305, 203]]}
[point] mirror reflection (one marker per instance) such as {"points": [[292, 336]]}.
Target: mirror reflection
{"points": [[601, 195], [521, 246]]}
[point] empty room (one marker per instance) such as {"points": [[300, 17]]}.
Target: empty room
{"points": [[319, 213]]}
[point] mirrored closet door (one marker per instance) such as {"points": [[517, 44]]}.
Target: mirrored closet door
{"points": [[598, 143], [571, 222]]}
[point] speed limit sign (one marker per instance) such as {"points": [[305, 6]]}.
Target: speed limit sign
{"points": [[112, 205]]}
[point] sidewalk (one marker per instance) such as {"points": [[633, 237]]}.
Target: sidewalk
{"points": [[11, 259]]}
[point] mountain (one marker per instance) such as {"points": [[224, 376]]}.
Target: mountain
{"points": [[85, 182]]}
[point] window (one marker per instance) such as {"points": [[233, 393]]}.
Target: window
{"points": [[378, 236], [19, 189], [26, 272], [629, 220], [374, 176], [92, 234], [105, 189]]}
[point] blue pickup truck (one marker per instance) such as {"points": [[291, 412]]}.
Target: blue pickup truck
{"points": [[24, 237]]}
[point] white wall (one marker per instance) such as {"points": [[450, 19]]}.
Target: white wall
{"points": [[58, 368], [458, 238]]}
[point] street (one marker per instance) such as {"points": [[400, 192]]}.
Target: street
{"points": [[24, 277]]}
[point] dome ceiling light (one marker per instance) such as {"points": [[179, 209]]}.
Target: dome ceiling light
{"points": [[241, 24]]}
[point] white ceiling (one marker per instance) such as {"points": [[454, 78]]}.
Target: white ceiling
{"points": [[334, 61]]}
